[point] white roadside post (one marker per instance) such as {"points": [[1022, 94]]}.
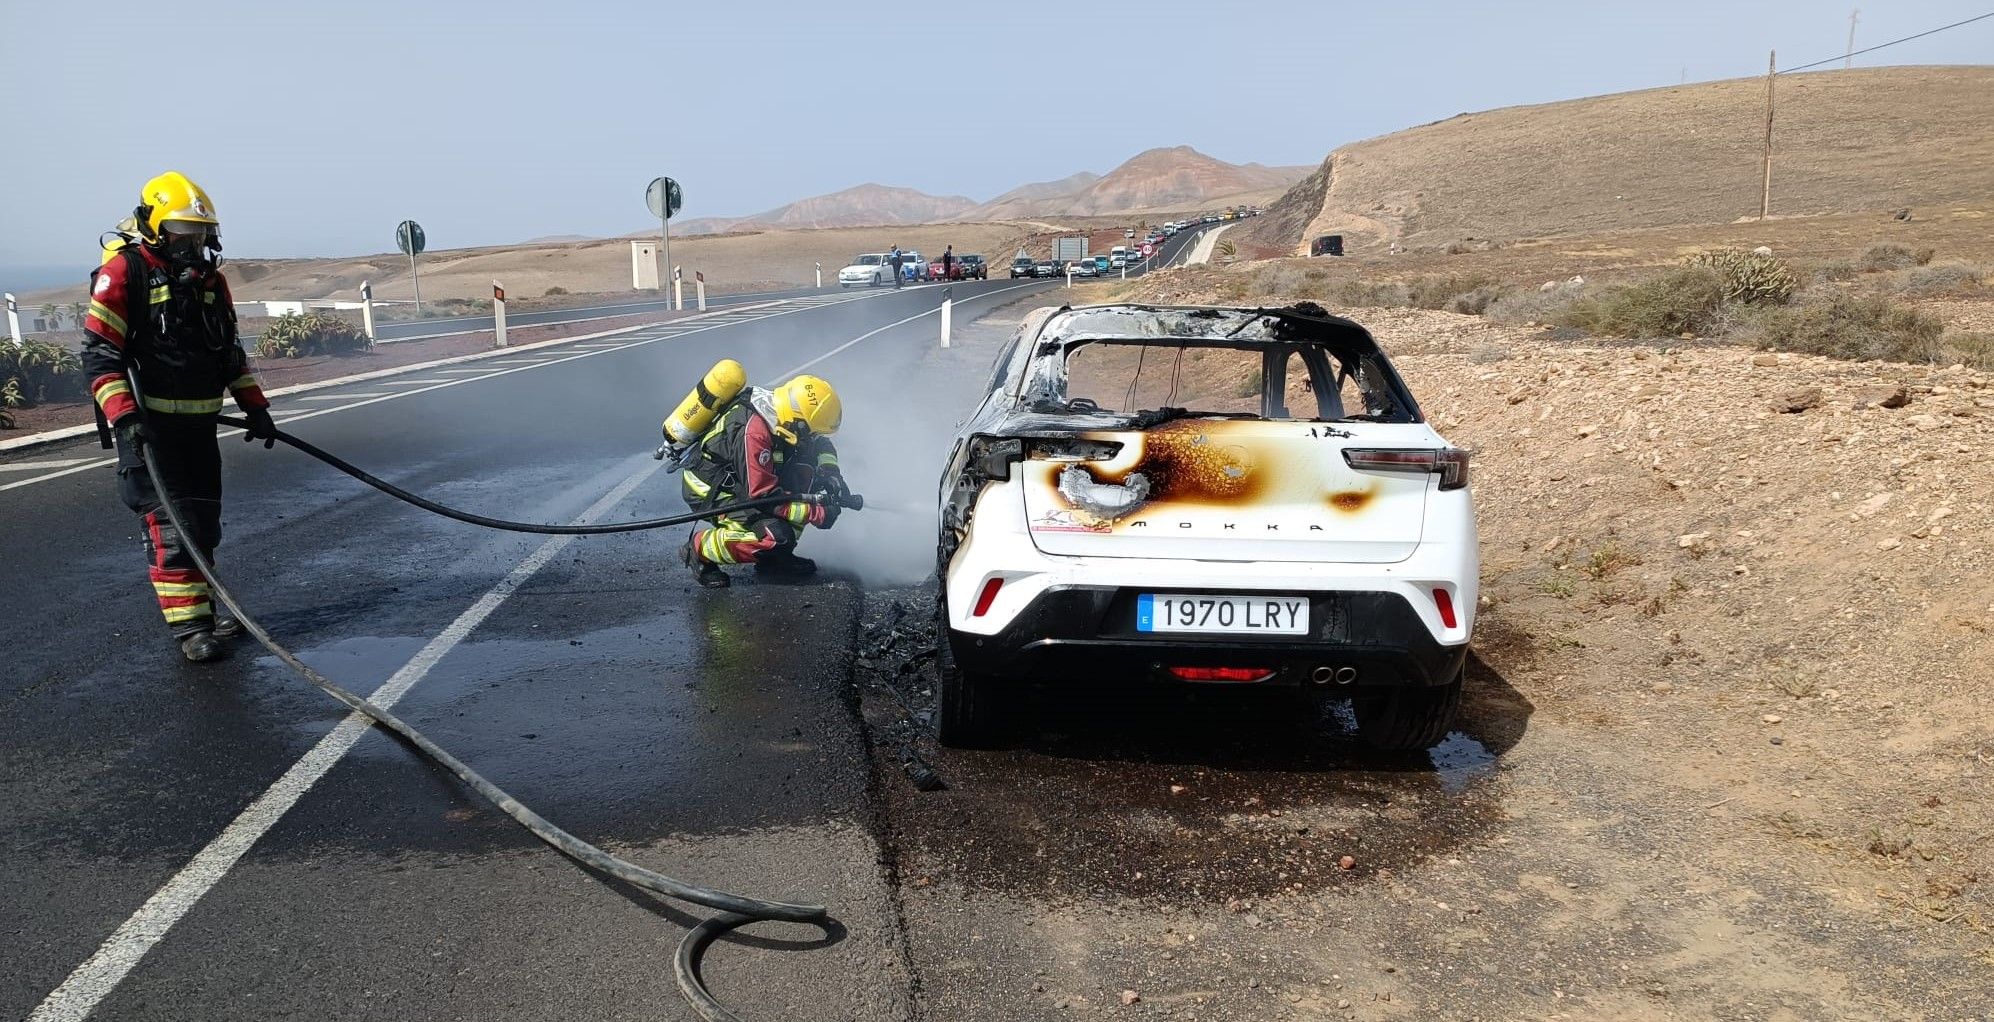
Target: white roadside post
{"points": [[678, 289], [498, 310], [699, 286], [367, 309], [13, 319], [1069, 275], [820, 276], [948, 309]]}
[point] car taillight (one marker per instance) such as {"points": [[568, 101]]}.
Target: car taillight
{"points": [[1443, 601], [1450, 463], [1248, 674], [987, 597]]}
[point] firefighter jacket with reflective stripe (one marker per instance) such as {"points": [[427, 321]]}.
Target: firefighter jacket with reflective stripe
{"points": [[742, 458], [180, 335]]}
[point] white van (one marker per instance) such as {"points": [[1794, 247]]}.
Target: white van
{"points": [[1118, 257]]}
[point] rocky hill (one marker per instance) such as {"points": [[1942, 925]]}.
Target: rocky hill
{"points": [[1158, 180], [1845, 141]]}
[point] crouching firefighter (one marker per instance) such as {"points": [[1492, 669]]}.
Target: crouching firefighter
{"points": [[160, 314], [759, 443]]}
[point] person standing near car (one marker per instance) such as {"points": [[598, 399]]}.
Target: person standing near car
{"points": [[948, 262], [895, 258], [160, 314]]}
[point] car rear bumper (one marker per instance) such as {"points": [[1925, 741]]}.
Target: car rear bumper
{"points": [[1089, 631]]}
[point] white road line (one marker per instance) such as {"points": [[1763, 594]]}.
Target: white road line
{"points": [[409, 383], [23, 466], [339, 397], [919, 315], [468, 372], [97, 977]]}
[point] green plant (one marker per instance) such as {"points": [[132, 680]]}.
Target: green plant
{"points": [[1686, 299], [1608, 560], [293, 335], [1749, 277], [1853, 327], [52, 315], [38, 372], [1227, 249]]}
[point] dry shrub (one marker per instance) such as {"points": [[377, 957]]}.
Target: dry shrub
{"points": [[1852, 326], [1889, 255], [1458, 292], [1944, 278], [1837, 270], [1687, 299], [1373, 294], [1973, 348], [1533, 305]]}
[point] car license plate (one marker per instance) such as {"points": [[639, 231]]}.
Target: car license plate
{"points": [[1257, 615]]}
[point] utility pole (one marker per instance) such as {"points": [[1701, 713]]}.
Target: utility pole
{"points": [[1849, 55], [1765, 194]]}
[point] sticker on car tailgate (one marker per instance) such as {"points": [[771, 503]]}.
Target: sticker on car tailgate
{"points": [[1256, 615]]}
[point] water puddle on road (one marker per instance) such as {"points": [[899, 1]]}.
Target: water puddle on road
{"points": [[1200, 796]]}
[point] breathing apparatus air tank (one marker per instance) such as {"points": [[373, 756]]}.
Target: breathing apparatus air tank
{"points": [[689, 420]]}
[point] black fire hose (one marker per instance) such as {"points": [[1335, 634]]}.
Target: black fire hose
{"points": [[734, 910], [851, 501]]}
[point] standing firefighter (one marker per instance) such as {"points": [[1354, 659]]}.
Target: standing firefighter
{"points": [[160, 312], [757, 443]]}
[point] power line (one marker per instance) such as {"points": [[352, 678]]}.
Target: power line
{"points": [[1893, 42]]}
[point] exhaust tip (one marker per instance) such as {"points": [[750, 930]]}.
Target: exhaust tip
{"points": [[1346, 675], [1323, 675]]}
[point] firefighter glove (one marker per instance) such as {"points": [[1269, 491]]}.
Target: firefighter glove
{"points": [[131, 433], [826, 516], [261, 427]]}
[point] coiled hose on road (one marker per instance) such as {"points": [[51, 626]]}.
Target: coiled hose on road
{"points": [[734, 910]]}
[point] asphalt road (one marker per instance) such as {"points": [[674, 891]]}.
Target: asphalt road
{"points": [[212, 842]]}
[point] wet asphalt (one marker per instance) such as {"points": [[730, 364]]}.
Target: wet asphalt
{"points": [[707, 734]]}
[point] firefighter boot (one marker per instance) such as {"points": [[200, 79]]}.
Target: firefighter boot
{"points": [[226, 626], [705, 572], [201, 647], [782, 562]]}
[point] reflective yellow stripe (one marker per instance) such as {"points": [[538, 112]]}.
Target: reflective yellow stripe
{"points": [[180, 588], [160, 294], [826, 459], [110, 319], [208, 297], [243, 382], [699, 487], [177, 615], [112, 388], [189, 406], [797, 514]]}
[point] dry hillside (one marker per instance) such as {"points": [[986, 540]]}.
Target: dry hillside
{"points": [[1846, 141], [865, 205]]}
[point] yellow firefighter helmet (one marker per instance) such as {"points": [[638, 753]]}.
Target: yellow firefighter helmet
{"points": [[171, 199], [810, 402]]}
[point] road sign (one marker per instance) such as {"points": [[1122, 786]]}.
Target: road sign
{"points": [[663, 197], [1147, 249], [408, 237]]}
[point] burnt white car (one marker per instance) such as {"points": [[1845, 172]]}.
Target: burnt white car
{"points": [[1205, 496]]}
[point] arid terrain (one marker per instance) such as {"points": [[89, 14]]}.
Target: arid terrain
{"points": [[1725, 754], [1845, 141]]}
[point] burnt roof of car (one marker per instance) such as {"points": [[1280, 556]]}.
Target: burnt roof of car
{"points": [[1301, 323]]}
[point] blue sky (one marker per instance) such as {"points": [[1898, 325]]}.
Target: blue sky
{"points": [[317, 126]]}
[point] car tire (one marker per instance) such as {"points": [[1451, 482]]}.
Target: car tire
{"points": [[967, 714], [1407, 718]]}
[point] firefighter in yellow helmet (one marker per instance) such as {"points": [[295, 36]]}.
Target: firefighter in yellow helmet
{"points": [[763, 443], [160, 311]]}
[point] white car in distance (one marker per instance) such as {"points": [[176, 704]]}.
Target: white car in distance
{"points": [[870, 269], [1204, 496]]}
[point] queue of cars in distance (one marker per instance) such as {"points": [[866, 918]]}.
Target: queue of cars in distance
{"points": [[963, 267]]}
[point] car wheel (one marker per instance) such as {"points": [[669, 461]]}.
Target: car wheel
{"points": [[1407, 718], [967, 714]]}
